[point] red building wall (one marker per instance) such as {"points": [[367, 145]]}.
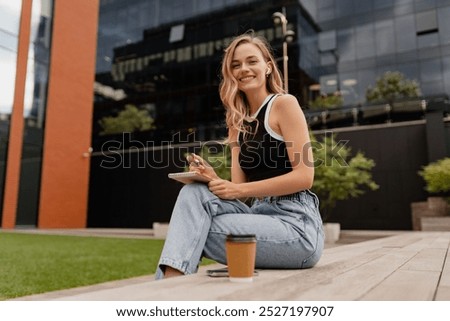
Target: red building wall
{"points": [[65, 169], [65, 172]]}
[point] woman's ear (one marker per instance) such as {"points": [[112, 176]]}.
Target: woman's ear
{"points": [[269, 69]]}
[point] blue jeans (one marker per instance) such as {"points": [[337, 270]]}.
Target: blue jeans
{"points": [[288, 230]]}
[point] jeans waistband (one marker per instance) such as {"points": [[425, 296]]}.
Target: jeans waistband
{"points": [[289, 197], [298, 196], [302, 196]]}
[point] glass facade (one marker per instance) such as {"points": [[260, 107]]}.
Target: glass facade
{"points": [[374, 36], [163, 57], [34, 111], [9, 34]]}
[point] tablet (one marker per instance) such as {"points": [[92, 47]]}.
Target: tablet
{"points": [[189, 177]]}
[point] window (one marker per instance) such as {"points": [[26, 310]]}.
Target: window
{"points": [[329, 84], [444, 24], [176, 33], [327, 40], [328, 48], [346, 44], [365, 46], [404, 33], [426, 22], [385, 39], [446, 71]]}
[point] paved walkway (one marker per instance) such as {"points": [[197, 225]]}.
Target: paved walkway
{"points": [[117, 290]]}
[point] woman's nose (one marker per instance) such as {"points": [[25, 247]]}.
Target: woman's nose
{"points": [[244, 66]]}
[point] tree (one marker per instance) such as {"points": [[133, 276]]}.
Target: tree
{"points": [[129, 120], [390, 86], [338, 175], [326, 101]]}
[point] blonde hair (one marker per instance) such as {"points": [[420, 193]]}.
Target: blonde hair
{"points": [[234, 100]]}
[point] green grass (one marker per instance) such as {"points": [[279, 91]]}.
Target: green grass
{"points": [[31, 264]]}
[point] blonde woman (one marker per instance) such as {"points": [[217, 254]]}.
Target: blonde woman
{"points": [[272, 164]]}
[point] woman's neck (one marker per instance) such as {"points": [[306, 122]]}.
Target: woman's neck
{"points": [[255, 100]]}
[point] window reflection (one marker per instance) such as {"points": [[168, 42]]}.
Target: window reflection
{"points": [[385, 38], [444, 25], [405, 38], [38, 59], [365, 46], [9, 30], [7, 76], [346, 40], [34, 111], [8, 40], [10, 16]]}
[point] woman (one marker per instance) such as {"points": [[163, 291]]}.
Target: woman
{"points": [[272, 163]]}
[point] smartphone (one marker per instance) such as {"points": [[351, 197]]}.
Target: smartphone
{"points": [[223, 272]]}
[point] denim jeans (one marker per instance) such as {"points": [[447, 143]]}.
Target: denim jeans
{"points": [[288, 230]]}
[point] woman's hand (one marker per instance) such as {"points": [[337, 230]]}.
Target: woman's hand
{"points": [[225, 189], [199, 165]]}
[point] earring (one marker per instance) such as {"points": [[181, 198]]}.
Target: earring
{"points": [[267, 72]]}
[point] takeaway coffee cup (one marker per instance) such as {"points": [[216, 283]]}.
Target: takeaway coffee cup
{"points": [[241, 253]]}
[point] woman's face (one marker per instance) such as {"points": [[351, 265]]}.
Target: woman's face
{"points": [[249, 68]]}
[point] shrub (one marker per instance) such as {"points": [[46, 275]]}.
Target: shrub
{"points": [[437, 176], [338, 175]]}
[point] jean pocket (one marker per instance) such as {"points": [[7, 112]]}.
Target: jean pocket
{"points": [[316, 254]]}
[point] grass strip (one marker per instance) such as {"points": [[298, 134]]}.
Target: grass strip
{"points": [[32, 264]]}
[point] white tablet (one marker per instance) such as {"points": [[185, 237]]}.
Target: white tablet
{"points": [[189, 177]]}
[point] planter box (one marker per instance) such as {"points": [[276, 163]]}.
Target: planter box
{"points": [[433, 207], [332, 232], [436, 223]]}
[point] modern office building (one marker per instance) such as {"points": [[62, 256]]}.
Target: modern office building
{"points": [[164, 57], [366, 38], [47, 58], [156, 96]]}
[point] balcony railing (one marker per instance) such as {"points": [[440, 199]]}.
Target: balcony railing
{"points": [[400, 110]]}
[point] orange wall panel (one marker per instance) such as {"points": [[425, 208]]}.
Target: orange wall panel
{"points": [[65, 172], [12, 177]]}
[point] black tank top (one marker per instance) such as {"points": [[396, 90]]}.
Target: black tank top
{"points": [[262, 154]]}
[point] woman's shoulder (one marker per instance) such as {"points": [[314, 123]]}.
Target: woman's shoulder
{"points": [[286, 102]]}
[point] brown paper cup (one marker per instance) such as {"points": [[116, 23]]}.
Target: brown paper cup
{"points": [[241, 253]]}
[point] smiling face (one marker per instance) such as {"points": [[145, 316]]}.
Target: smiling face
{"points": [[249, 68]]}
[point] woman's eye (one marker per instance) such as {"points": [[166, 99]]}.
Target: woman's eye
{"points": [[235, 66]]}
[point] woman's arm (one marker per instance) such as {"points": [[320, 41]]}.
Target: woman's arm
{"points": [[288, 120], [237, 174]]}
